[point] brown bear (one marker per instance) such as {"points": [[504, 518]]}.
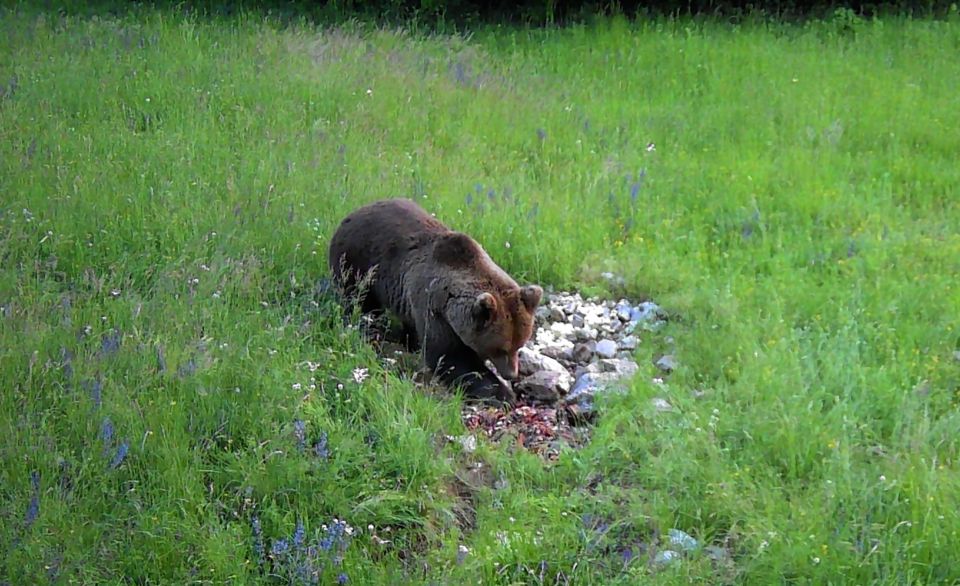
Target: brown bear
{"points": [[451, 298]]}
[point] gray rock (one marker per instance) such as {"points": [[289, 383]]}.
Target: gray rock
{"points": [[583, 352], [619, 366], [661, 405], [682, 540], [606, 349], [544, 386], [556, 314], [623, 310], [562, 330], [629, 343], [533, 363], [576, 320], [584, 334], [666, 557], [667, 363], [588, 384], [543, 314], [592, 368]]}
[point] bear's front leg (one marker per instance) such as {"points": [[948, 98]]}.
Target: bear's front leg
{"points": [[461, 367]]}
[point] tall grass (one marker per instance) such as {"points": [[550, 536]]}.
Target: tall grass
{"points": [[174, 374]]}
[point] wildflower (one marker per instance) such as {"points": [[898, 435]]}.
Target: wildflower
{"points": [[541, 134], [279, 548], [300, 432], [298, 535], [257, 539], [120, 455], [360, 375], [95, 387], [33, 509], [320, 448], [295, 386], [342, 578], [506, 244], [106, 430], [651, 147]]}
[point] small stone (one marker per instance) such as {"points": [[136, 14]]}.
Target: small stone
{"points": [[592, 368], [562, 330], [542, 314], [629, 343], [623, 310], [619, 366], [533, 363], [584, 334], [606, 349], [583, 352], [666, 557], [667, 363], [661, 405], [543, 386], [589, 384], [576, 320], [556, 314], [469, 443], [683, 540]]}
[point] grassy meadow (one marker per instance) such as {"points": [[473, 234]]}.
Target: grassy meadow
{"points": [[179, 393]]}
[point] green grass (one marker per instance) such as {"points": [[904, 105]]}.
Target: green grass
{"points": [[176, 180]]}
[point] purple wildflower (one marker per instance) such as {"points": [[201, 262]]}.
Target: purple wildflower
{"points": [[106, 430], [95, 387], [120, 455], [279, 548], [541, 134], [298, 535], [320, 448], [533, 211], [257, 539], [491, 194], [300, 432], [342, 578], [110, 343], [33, 509]]}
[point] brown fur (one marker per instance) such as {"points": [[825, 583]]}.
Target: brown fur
{"points": [[450, 296]]}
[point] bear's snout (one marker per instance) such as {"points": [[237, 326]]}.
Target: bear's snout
{"points": [[508, 366]]}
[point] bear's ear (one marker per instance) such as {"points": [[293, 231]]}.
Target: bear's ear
{"points": [[484, 306], [530, 295], [454, 249]]}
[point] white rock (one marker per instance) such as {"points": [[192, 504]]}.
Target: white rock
{"points": [[667, 363], [682, 539], [606, 349], [629, 343], [562, 330], [661, 405], [556, 314], [618, 365]]}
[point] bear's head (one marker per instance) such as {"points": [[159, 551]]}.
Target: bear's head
{"points": [[502, 324], [489, 312]]}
